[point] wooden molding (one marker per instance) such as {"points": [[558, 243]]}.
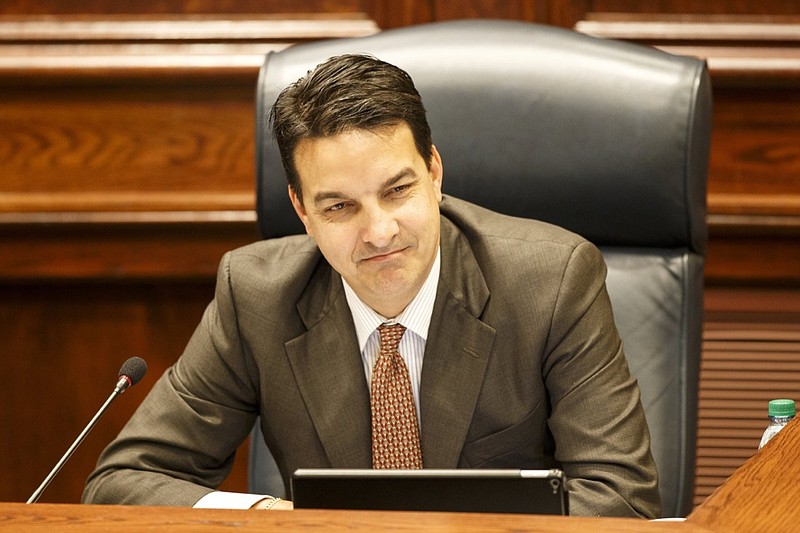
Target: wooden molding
{"points": [[691, 28], [149, 48], [43, 219], [287, 28], [19, 204], [39, 64], [754, 213], [127, 247], [738, 49], [745, 65]]}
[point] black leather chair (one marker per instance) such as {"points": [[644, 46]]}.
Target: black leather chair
{"points": [[605, 138]]}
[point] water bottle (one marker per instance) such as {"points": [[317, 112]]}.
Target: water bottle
{"points": [[780, 412]]}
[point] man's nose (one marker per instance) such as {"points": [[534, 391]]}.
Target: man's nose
{"points": [[380, 226]]}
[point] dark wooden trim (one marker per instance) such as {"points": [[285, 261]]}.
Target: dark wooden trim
{"points": [[130, 247]]}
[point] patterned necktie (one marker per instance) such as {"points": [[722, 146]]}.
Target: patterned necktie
{"points": [[395, 431]]}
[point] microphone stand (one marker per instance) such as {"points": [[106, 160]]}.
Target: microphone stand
{"points": [[123, 383]]}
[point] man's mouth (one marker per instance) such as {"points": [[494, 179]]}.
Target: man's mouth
{"points": [[385, 256]]}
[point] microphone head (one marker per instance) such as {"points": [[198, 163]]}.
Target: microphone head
{"points": [[134, 368]]}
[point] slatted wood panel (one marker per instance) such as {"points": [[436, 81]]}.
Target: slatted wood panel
{"points": [[745, 364]]}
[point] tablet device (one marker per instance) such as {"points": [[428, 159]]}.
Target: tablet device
{"points": [[460, 490]]}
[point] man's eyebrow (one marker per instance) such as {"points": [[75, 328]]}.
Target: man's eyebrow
{"points": [[404, 173], [336, 195], [328, 195]]}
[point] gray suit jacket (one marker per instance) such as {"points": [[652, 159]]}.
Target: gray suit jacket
{"points": [[523, 368]]}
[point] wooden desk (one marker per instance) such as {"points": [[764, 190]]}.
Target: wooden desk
{"points": [[95, 518], [762, 495]]}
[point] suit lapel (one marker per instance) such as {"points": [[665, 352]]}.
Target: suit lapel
{"points": [[456, 353], [327, 366]]}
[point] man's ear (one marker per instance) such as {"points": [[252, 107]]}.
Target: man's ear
{"points": [[299, 208], [437, 172]]}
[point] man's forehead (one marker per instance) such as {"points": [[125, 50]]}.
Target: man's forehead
{"points": [[353, 155]]}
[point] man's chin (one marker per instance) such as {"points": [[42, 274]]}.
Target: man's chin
{"points": [[390, 289]]}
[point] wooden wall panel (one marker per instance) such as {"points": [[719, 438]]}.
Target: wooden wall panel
{"points": [[757, 161], [63, 346], [101, 248], [511, 9], [127, 148], [127, 130], [740, 255]]}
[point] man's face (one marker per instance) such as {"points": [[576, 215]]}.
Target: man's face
{"points": [[372, 206]]}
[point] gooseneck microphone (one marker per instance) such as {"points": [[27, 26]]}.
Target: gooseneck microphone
{"points": [[130, 374]]}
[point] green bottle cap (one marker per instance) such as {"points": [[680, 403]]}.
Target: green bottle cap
{"points": [[781, 408]]}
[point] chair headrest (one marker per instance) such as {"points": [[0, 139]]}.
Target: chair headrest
{"points": [[605, 138]]}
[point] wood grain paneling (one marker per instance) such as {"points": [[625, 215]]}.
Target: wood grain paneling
{"points": [[500, 9], [63, 346], [127, 145], [113, 115], [105, 249], [749, 255]]}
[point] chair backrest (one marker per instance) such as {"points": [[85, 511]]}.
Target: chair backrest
{"points": [[605, 138]]}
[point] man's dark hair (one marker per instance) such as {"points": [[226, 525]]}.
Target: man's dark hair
{"points": [[346, 93]]}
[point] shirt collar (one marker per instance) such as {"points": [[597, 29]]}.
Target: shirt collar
{"points": [[415, 317]]}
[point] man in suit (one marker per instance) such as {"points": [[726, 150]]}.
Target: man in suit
{"points": [[508, 355]]}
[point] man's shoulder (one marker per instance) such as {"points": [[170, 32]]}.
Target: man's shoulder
{"points": [[479, 223], [273, 261], [277, 250], [507, 248]]}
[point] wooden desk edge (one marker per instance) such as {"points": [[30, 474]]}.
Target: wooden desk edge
{"points": [[89, 518]]}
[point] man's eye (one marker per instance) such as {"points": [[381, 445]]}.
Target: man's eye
{"points": [[399, 189], [335, 207]]}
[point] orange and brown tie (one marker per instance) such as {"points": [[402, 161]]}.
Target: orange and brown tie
{"points": [[395, 431]]}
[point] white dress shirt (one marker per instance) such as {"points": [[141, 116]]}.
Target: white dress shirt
{"points": [[416, 318]]}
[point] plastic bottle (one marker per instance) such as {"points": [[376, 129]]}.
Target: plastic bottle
{"points": [[780, 413]]}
